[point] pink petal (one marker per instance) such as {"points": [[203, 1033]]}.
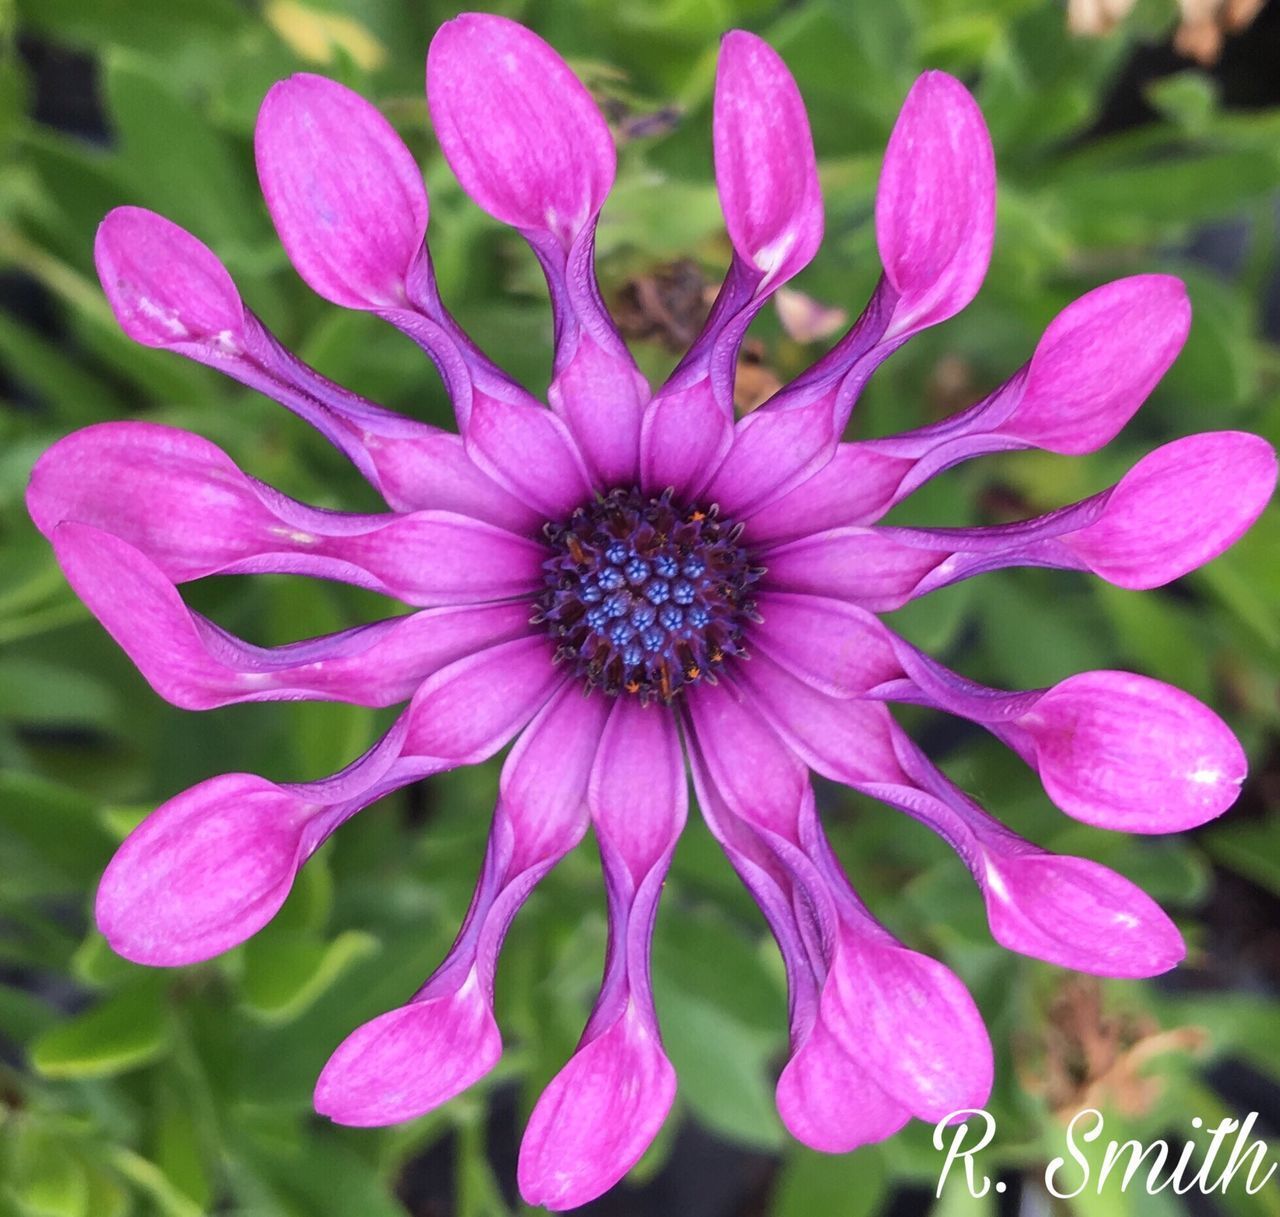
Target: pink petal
{"points": [[765, 167], [638, 792], [191, 662], [773, 452], [855, 487], [830, 1102], [847, 740], [935, 208], [684, 434], [1098, 361], [445, 1038], [910, 1022], [165, 286], [432, 472], [1178, 508], [194, 513], [203, 872], [345, 193], [753, 772], [529, 451], [167, 289], [467, 711], [597, 1117], [410, 1060], [517, 127], [1125, 752], [1078, 914], [834, 647], [865, 566], [544, 780], [601, 398]]}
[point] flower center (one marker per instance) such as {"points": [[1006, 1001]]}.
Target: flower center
{"points": [[645, 596]]}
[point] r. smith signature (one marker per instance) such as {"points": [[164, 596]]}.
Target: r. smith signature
{"points": [[1121, 1161]]}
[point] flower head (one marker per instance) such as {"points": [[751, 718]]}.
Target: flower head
{"points": [[632, 586]]}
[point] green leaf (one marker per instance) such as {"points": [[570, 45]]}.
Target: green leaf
{"points": [[57, 824], [850, 1185], [50, 1179], [175, 161], [1251, 850], [106, 1197], [149, 1178], [23, 1015], [285, 971], [157, 26], [97, 965], [177, 1147], [49, 694], [1189, 99], [724, 1069], [1135, 202], [125, 1031], [329, 1180]]}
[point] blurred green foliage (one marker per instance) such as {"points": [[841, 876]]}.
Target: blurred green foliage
{"points": [[175, 1093]]}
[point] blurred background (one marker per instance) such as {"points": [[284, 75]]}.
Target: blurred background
{"points": [[1129, 137]]}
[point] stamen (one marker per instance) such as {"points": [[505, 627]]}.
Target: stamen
{"points": [[644, 596]]}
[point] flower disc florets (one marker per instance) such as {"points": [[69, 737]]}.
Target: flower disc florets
{"points": [[645, 595]]}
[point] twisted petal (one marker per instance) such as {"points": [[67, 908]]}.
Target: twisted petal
{"points": [[1097, 363], [1065, 910], [345, 193], [598, 1115], [910, 1023], [765, 167], [871, 568], [754, 775], [768, 182], [194, 513], [855, 487], [1078, 914], [212, 865], [826, 1099], [832, 1102], [531, 147], [1068, 911], [168, 289], [905, 1020], [602, 1110], [348, 201], [1113, 749], [467, 711], [517, 127], [192, 663], [837, 648], [530, 452], [935, 207], [796, 433], [165, 287], [1126, 752], [203, 872], [411, 1059], [935, 218], [1178, 508]]}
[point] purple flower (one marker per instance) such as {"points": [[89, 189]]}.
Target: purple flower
{"points": [[710, 582]]}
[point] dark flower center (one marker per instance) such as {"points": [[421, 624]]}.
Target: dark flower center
{"points": [[644, 595]]}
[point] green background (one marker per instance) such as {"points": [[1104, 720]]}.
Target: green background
{"points": [[126, 1090]]}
